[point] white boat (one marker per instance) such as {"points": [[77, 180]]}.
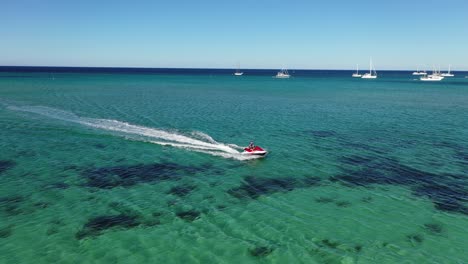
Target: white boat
{"points": [[283, 74], [238, 72], [357, 75], [448, 74], [417, 72], [372, 74], [434, 77]]}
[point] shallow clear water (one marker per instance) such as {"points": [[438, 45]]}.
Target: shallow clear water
{"points": [[133, 168]]}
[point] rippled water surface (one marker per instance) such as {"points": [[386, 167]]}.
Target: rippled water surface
{"points": [[146, 168]]}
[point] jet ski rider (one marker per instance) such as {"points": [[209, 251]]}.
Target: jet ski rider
{"points": [[251, 145]]}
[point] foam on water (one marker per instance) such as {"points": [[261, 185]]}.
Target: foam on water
{"points": [[198, 141]]}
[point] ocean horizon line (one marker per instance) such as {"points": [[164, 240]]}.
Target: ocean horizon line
{"points": [[10, 68]]}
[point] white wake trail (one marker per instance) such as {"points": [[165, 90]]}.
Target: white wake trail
{"points": [[200, 141], [211, 151]]}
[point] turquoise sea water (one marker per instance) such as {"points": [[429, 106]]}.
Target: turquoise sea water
{"points": [[145, 168]]}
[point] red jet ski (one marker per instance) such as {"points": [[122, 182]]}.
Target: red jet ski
{"points": [[258, 151]]}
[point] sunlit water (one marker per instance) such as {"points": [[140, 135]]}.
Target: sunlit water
{"points": [[147, 168]]}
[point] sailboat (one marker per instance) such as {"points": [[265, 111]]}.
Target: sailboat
{"points": [[434, 77], [417, 72], [357, 75], [372, 73], [283, 74], [238, 72], [447, 74]]}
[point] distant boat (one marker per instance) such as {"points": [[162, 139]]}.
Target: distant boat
{"points": [[434, 77], [238, 72], [283, 74], [372, 74], [448, 74], [357, 75], [417, 72]]}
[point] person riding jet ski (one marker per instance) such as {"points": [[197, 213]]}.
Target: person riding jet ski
{"points": [[251, 145], [254, 150]]}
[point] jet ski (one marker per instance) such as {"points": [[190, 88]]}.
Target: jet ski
{"points": [[256, 151]]}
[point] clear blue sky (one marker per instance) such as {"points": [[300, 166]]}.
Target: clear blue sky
{"points": [[329, 34]]}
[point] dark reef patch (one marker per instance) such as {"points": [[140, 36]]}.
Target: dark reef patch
{"points": [[214, 184], [71, 167], [145, 221], [10, 205], [11, 199], [433, 228], [343, 203], [324, 200], [182, 190], [5, 231], [332, 251], [310, 181], [254, 187], [208, 197], [95, 226], [52, 230], [329, 243], [99, 146], [58, 185], [448, 192], [41, 205], [462, 156], [188, 216], [358, 248], [125, 176], [221, 207], [362, 146], [445, 197], [157, 214], [172, 202], [260, 251], [415, 238], [6, 165], [356, 160], [461, 152]]}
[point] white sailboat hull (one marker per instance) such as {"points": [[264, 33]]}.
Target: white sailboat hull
{"points": [[431, 78], [369, 76], [282, 76], [448, 74], [372, 73], [356, 74]]}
